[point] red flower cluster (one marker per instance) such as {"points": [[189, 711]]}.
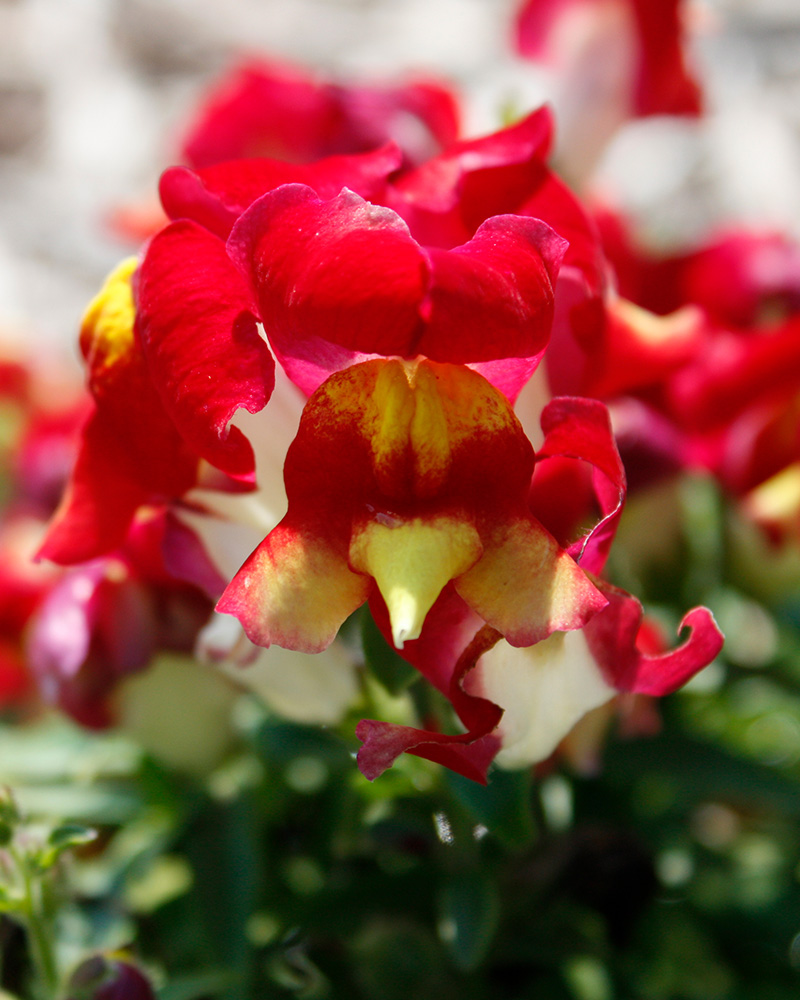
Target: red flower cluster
{"points": [[410, 305]]}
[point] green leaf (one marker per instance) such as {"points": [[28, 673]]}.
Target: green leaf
{"points": [[9, 810], [227, 862], [10, 902], [469, 911], [283, 742], [698, 770], [71, 835], [61, 839], [503, 807], [211, 982]]}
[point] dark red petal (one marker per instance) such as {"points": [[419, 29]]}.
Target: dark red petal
{"points": [[451, 643], [200, 338], [384, 742]]}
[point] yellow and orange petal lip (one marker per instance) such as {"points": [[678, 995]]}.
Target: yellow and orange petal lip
{"points": [[295, 590], [526, 587], [107, 328]]}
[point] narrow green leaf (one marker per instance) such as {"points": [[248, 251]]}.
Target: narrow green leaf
{"points": [[468, 915]]}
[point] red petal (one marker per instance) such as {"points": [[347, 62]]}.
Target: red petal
{"points": [[661, 85], [205, 355], [493, 297], [344, 271], [269, 109], [581, 429], [664, 85], [100, 500], [612, 634], [447, 198], [350, 273], [216, 196]]}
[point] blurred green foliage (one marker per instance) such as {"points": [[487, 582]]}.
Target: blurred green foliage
{"points": [[671, 874]]}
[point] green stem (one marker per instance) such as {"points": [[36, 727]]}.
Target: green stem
{"points": [[39, 938]]}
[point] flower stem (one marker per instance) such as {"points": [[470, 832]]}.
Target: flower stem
{"points": [[40, 940]]}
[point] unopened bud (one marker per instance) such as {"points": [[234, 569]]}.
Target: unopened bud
{"points": [[105, 977]]}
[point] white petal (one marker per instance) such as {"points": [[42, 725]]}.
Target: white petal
{"points": [[544, 689], [317, 688]]}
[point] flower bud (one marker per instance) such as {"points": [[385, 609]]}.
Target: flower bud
{"points": [[106, 977]]}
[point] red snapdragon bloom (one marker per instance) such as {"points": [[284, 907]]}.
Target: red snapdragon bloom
{"points": [[408, 475], [175, 339]]}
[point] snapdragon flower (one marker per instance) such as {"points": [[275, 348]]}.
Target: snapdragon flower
{"points": [[409, 307]]}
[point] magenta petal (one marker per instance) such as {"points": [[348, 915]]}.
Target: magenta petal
{"points": [[343, 270], [581, 429], [201, 342], [186, 559], [612, 633], [493, 297], [61, 631], [96, 625], [509, 375]]}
